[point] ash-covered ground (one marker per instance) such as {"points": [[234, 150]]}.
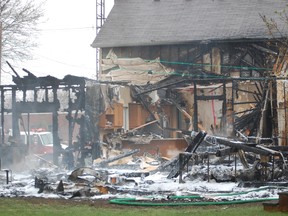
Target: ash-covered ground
{"points": [[131, 180]]}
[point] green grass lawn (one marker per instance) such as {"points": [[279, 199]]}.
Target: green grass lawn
{"points": [[26, 207]]}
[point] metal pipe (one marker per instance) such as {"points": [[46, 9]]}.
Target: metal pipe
{"points": [[195, 118], [208, 166], [273, 167], [7, 175], [180, 164], [235, 166]]}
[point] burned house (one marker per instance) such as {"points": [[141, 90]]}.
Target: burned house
{"points": [[185, 86], [73, 98], [210, 67], [214, 66], [169, 82]]}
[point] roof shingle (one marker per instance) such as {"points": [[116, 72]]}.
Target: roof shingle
{"points": [[149, 22]]}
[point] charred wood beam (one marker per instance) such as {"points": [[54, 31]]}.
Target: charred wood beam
{"points": [[55, 126], [184, 132], [273, 152], [264, 105], [246, 118], [74, 80], [243, 146], [17, 75], [259, 95], [147, 108], [31, 81], [259, 58], [199, 76], [156, 87], [245, 121], [228, 151], [224, 152], [210, 97], [78, 105], [253, 110], [224, 108], [250, 92], [212, 90], [145, 104], [174, 162], [192, 147], [260, 91], [257, 98], [234, 85], [69, 118], [187, 115], [264, 49], [237, 60], [280, 148], [144, 125], [195, 117], [243, 159], [15, 115], [200, 51], [184, 158], [252, 118], [208, 80], [262, 84], [249, 64], [31, 75], [245, 102], [244, 111], [118, 157]]}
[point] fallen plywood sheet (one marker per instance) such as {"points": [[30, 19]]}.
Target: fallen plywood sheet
{"points": [[134, 70]]}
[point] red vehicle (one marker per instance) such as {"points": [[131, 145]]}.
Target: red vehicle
{"points": [[40, 143]]}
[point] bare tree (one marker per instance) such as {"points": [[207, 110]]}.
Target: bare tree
{"points": [[19, 20], [280, 37]]}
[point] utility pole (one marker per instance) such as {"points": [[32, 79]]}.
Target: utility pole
{"points": [[0, 52], [100, 19]]}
